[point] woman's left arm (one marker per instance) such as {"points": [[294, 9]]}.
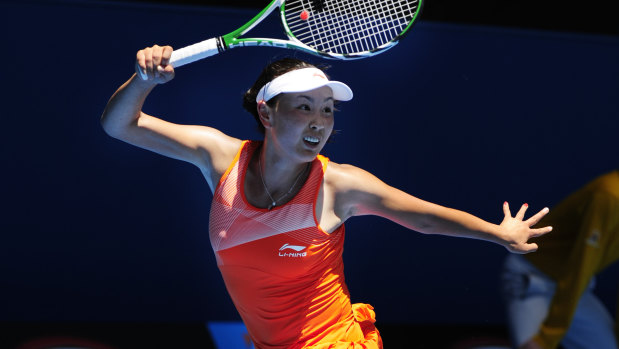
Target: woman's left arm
{"points": [[357, 192]]}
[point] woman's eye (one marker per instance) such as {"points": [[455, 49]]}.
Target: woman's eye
{"points": [[304, 107], [328, 110]]}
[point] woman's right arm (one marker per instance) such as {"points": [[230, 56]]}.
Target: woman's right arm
{"points": [[209, 149]]}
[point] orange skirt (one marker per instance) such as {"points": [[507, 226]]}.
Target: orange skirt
{"points": [[365, 317]]}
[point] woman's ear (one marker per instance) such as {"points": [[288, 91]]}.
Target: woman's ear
{"points": [[264, 111]]}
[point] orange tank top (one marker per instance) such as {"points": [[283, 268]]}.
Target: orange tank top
{"points": [[284, 273]]}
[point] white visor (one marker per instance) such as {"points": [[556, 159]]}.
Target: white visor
{"points": [[302, 80]]}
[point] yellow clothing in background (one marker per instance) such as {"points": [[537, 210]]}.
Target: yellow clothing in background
{"points": [[584, 240]]}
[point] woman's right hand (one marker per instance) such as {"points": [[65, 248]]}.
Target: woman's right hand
{"points": [[153, 63]]}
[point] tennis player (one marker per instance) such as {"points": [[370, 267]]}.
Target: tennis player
{"points": [[279, 207]]}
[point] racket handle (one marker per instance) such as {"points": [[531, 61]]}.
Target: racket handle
{"points": [[192, 53], [195, 52]]}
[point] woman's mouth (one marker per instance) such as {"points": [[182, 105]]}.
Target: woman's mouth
{"points": [[311, 141]]}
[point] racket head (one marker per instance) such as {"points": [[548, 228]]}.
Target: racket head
{"points": [[349, 29]]}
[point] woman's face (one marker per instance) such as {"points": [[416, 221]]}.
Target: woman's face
{"points": [[302, 122]]}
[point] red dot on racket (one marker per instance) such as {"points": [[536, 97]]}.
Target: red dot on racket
{"points": [[304, 15]]}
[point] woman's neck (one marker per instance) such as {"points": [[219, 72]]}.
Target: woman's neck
{"points": [[275, 180]]}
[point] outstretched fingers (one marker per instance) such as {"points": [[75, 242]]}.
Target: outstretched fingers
{"points": [[540, 231], [506, 210], [518, 231], [520, 213], [530, 247], [537, 217], [523, 209]]}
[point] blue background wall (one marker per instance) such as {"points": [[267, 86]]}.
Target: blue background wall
{"points": [[96, 230]]}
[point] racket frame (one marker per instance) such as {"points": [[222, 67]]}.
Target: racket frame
{"points": [[232, 40]]}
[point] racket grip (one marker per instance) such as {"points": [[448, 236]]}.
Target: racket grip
{"points": [[191, 54], [195, 52]]}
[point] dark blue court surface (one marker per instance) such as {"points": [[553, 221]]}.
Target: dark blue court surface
{"points": [[222, 335]]}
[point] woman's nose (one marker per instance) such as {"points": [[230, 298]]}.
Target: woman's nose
{"points": [[318, 122], [317, 125]]}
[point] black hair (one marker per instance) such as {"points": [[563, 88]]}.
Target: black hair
{"points": [[270, 72]]}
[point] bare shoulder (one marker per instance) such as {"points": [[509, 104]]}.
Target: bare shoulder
{"points": [[345, 177], [356, 192], [217, 151], [217, 144], [352, 189]]}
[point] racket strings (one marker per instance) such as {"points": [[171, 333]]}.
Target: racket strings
{"points": [[346, 27], [371, 31], [375, 31]]}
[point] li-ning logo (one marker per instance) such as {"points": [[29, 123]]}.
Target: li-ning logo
{"points": [[297, 249]]}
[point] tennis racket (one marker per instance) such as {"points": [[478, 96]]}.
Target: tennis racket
{"points": [[338, 29]]}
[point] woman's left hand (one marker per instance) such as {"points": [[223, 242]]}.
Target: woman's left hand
{"points": [[516, 232]]}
